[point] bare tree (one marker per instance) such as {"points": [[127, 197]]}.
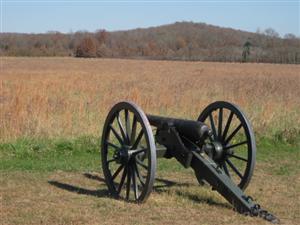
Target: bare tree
{"points": [[86, 48], [271, 33], [290, 36]]}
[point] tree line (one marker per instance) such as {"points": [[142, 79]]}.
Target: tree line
{"points": [[178, 41]]}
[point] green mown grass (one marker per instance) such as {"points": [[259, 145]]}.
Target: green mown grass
{"points": [[49, 155], [82, 154], [59, 181]]}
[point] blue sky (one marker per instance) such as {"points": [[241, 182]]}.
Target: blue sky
{"points": [[39, 16]]}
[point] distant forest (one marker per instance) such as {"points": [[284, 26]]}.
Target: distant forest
{"points": [[178, 41]]}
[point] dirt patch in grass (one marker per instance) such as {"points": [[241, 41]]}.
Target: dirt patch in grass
{"points": [[82, 198]]}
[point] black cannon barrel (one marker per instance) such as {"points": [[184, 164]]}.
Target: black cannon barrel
{"points": [[193, 130]]}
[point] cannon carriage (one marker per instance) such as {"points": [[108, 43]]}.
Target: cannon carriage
{"points": [[219, 146]]}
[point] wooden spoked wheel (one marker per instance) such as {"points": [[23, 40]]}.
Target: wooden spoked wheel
{"points": [[128, 153], [233, 133]]}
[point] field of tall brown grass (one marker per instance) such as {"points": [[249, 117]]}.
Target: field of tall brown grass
{"points": [[59, 180], [68, 97]]}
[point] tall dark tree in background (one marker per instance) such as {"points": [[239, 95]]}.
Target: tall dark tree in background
{"points": [[246, 51]]}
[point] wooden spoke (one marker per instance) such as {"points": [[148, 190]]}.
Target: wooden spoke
{"points": [[122, 180], [138, 139], [117, 172], [213, 127], [225, 169], [133, 130], [235, 145], [128, 182], [238, 157], [233, 134], [116, 134], [234, 168], [111, 160], [141, 164], [113, 145], [138, 174], [220, 123], [227, 126], [134, 183], [121, 126], [127, 121]]}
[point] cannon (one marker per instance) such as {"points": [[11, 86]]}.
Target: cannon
{"points": [[219, 146]]}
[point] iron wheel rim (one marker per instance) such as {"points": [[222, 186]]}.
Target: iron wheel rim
{"points": [[133, 177], [222, 133]]}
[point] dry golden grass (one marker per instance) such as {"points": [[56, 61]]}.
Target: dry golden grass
{"points": [[68, 97], [77, 198]]}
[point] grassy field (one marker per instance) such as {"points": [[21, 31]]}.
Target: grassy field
{"points": [[60, 182], [67, 97], [52, 110]]}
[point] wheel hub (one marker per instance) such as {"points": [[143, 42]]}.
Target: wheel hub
{"points": [[122, 155], [215, 150], [218, 151]]}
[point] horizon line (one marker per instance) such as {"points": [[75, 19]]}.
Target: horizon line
{"points": [[146, 27]]}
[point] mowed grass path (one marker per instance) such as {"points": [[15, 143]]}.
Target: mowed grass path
{"points": [[61, 182]]}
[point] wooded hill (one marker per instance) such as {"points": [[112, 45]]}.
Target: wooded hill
{"points": [[178, 41]]}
